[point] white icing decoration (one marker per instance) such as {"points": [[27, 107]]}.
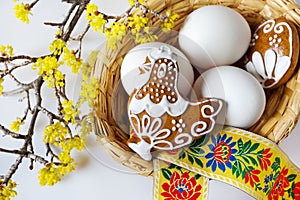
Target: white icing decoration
{"points": [[272, 66], [278, 28], [151, 125]]}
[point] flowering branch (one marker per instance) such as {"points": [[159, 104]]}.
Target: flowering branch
{"points": [[59, 131]]}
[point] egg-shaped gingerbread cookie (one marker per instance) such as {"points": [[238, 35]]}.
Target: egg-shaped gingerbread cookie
{"points": [[273, 53], [160, 117]]}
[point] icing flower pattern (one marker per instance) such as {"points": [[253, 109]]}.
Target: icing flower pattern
{"points": [[158, 113], [268, 69]]}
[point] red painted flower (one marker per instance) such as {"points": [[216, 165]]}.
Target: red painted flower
{"points": [[280, 184], [181, 187], [264, 161], [252, 176], [296, 191]]}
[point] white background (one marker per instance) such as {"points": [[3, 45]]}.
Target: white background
{"points": [[97, 176]]}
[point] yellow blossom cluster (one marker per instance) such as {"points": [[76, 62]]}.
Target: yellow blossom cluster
{"points": [[115, 33], [145, 36], [49, 175], [169, 22], [53, 173], [22, 11], [95, 18], [69, 111], [48, 68], [55, 133], [7, 192], [89, 91], [136, 23], [71, 60], [86, 126], [6, 50], [132, 2], [57, 46], [15, 126], [1, 86]]}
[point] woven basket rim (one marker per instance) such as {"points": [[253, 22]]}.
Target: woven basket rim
{"points": [[275, 124]]}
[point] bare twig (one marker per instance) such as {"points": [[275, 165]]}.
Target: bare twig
{"points": [[14, 135]]}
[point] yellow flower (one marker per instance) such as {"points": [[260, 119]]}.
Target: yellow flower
{"points": [[89, 91], [15, 126], [46, 65], [48, 69], [90, 10], [55, 133], [7, 192], [136, 23], [115, 33], [95, 18], [75, 142], [71, 60], [66, 168], [69, 111], [132, 2], [59, 79], [57, 46], [49, 175], [6, 50], [145, 36], [22, 11], [169, 22], [57, 32], [1, 86], [86, 126]]}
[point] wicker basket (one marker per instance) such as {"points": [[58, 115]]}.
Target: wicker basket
{"points": [[283, 104]]}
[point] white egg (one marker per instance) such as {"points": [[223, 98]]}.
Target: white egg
{"points": [[244, 97], [135, 73], [214, 35]]}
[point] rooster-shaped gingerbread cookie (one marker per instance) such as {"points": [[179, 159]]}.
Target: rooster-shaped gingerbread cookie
{"points": [[160, 117]]}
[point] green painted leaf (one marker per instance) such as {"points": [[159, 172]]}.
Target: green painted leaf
{"points": [[178, 168], [253, 161], [199, 142], [197, 176], [240, 145], [246, 159], [247, 145], [191, 159], [237, 169], [253, 147], [197, 150], [276, 175], [276, 165], [166, 173], [199, 162], [260, 152], [172, 166], [291, 177], [243, 174], [182, 155]]}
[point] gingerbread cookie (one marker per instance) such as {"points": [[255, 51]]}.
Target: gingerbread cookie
{"points": [[273, 53], [160, 117]]}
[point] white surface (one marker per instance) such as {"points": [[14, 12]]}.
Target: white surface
{"points": [[98, 176]]}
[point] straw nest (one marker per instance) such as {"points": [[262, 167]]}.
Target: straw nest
{"points": [[111, 126]]}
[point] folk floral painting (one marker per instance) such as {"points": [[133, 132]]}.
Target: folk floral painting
{"points": [[241, 159]]}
